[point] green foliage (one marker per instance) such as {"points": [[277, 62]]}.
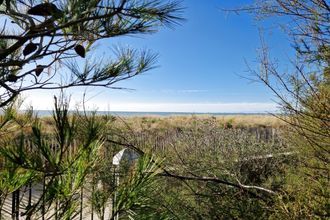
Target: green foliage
{"points": [[32, 156], [135, 196], [304, 95]]}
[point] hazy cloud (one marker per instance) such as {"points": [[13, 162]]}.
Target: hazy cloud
{"points": [[244, 107], [45, 102]]}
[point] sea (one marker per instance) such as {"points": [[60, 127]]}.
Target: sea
{"points": [[45, 113]]}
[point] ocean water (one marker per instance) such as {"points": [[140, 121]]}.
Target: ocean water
{"points": [[44, 113]]}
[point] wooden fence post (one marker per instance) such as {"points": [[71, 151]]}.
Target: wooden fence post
{"points": [[81, 202], [43, 198]]}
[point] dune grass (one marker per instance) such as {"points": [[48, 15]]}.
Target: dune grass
{"points": [[166, 122], [162, 123]]}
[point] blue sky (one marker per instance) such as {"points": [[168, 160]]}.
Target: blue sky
{"points": [[201, 67]]}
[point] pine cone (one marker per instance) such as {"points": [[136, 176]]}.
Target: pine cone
{"points": [[39, 70], [31, 47], [80, 50], [12, 78], [44, 9]]}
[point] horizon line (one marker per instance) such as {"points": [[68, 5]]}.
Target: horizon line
{"points": [[166, 112]]}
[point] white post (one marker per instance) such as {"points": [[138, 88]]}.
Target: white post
{"points": [[117, 184], [131, 156], [115, 162]]}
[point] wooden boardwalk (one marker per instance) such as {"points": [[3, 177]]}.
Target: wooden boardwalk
{"points": [[31, 196]]}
